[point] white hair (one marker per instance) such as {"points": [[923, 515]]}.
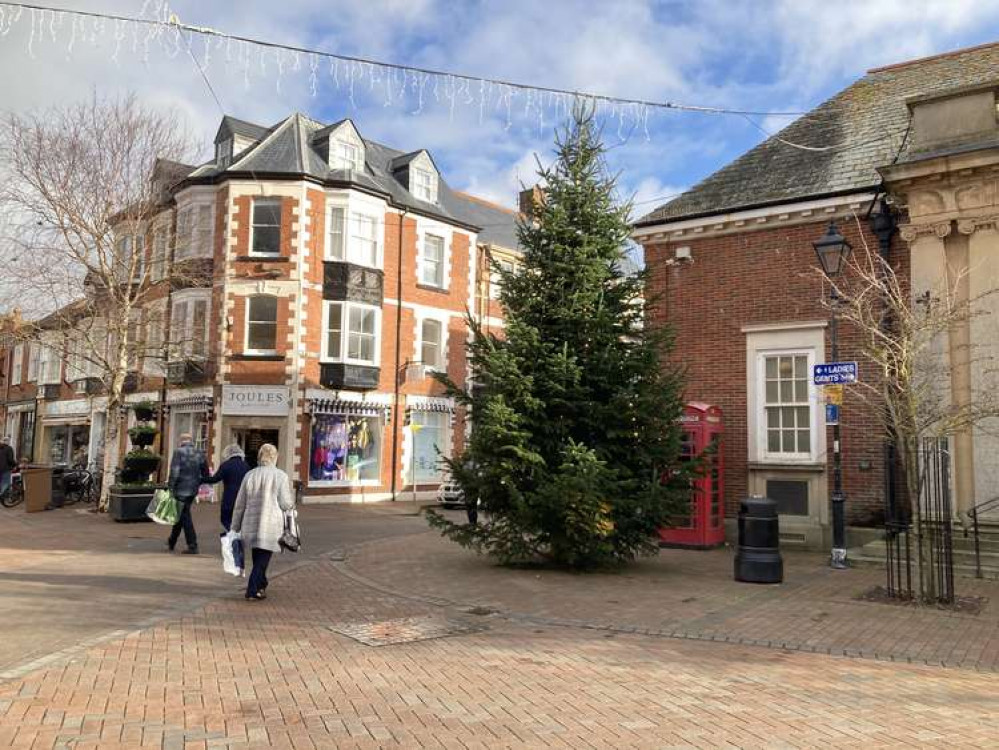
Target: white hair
{"points": [[267, 455]]}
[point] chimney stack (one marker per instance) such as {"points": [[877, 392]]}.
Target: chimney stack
{"points": [[529, 200]]}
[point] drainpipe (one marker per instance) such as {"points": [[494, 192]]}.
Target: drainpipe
{"points": [[398, 353]]}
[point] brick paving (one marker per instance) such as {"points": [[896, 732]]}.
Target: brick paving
{"points": [[237, 674], [691, 594]]}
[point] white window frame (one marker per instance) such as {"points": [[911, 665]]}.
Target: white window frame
{"points": [[246, 326], [346, 307], [159, 256], [354, 240], [344, 232], [195, 229], [340, 159], [156, 336], [33, 356], [440, 366], [423, 228], [184, 325], [761, 408], [17, 362], [442, 262], [495, 280], [50, 364], [425, 190], [272, 200]]}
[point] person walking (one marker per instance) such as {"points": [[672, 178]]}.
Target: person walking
{"points": [[258, 517], [230, 473], [188, 471], [7, 464]]}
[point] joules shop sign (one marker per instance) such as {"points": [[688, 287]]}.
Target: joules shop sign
{"points": [[255, 400]]}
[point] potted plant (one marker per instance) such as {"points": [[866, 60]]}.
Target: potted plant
{"points": [[145, 411], [132, 493]]}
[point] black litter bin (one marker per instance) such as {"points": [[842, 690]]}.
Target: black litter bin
{"points": [[58, 487], [758, 557]]}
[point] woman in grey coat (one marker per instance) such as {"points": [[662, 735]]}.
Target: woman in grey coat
{"points": [[258, 517]]}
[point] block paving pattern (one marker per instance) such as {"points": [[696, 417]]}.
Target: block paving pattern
{"points": [[271, 674], [692, 595], [404, 630]]}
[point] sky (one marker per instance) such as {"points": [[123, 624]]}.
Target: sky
{"points": [[759, 55]]}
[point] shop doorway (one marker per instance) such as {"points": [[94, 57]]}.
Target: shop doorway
{"points": [[250, 441]]}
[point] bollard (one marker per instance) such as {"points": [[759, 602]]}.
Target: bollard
{"points": [[758, 557]]}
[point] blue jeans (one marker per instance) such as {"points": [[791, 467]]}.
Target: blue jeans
{"points": [[5, 481]]}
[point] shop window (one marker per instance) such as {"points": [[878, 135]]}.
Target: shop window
{"points": [[266, 229], [68, 444], [193, 423], [261, 325], [345, 449], [430, 441], [26, 436]]}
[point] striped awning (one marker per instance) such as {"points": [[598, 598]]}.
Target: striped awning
{"points": [[344, 406], [429, 403], [192, 403]]}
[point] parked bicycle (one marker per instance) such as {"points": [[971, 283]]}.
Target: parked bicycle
{"points": [[14, 495], [80, 485]]}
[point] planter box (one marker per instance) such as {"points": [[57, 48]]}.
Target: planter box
{"points": [[129, 504]]}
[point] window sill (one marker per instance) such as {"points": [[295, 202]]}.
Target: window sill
{"points": [[351, 362], [263, 258], [433, 288], [273, 357], [344, 483], [799, 466]]}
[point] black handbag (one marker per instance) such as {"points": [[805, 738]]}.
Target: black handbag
{"points": [[289, 539]]}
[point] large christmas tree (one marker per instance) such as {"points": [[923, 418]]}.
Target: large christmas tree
{"points": [[573, 453]]}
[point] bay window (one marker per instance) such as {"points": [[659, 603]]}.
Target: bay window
{"points": [[336, 239], [265, 231], [352, 333], [261, 325], [364, 240], [33, 352], [16, 364], [189, 324], [157, 267], [194, 232]]}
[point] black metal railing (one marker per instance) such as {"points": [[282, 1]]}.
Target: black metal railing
{"points": [[973, 516]]}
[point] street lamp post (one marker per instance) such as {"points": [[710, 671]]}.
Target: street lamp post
{"points": [[833, 251]]}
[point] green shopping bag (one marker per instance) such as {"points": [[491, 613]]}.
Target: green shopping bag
{"points": [[164, 508]]}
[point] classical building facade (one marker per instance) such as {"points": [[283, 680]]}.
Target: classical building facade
{"points": [[733, 271], [326, 279]]}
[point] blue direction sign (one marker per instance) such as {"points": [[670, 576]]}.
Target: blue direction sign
{"points": [[832, 373], [832, 413]]}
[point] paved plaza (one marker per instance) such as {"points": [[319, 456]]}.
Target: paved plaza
{"points": [[383, 635]]}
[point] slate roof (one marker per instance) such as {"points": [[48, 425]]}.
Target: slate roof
{"points": [[866, 124], [289, 148]]}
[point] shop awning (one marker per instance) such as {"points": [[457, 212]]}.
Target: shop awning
{"points": [[343, 406], [192, 403], [429, 403]]}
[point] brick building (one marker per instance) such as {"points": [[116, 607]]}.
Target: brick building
{"points": [[328, 277], [733, 270]]}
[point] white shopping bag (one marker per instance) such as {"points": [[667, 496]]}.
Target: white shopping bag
{"points": [[230, 564]]}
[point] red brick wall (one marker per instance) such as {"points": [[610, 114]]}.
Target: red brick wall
{"points": [[761, 277]]}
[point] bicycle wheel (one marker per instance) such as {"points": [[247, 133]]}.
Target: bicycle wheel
{"points": [[16, 494]]}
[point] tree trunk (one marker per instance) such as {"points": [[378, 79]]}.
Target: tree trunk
{"points": [[111, 436]]}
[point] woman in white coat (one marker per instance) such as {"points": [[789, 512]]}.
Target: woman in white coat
{"points": [[263, 498]]}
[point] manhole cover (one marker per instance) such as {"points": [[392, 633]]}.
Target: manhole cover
{"points": [[404, 630]]}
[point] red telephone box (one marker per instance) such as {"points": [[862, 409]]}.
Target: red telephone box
{"points": [[703, 526]]}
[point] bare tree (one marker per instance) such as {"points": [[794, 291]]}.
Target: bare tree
{"points": [[911, 337], [83, 183]]}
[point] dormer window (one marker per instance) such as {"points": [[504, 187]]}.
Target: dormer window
{"points": [[347, 155], [223, 153], [424, 185]]}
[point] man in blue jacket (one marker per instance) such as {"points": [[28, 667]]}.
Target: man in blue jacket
{"points": [[188, 471]]}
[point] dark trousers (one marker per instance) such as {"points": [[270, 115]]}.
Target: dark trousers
{"points": [[186, 523], [258, 576]]}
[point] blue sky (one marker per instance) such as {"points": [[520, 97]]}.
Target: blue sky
{"points": [[776, 55]]}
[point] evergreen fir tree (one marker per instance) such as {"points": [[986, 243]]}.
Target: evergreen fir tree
{"points": [[575, 409]]}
